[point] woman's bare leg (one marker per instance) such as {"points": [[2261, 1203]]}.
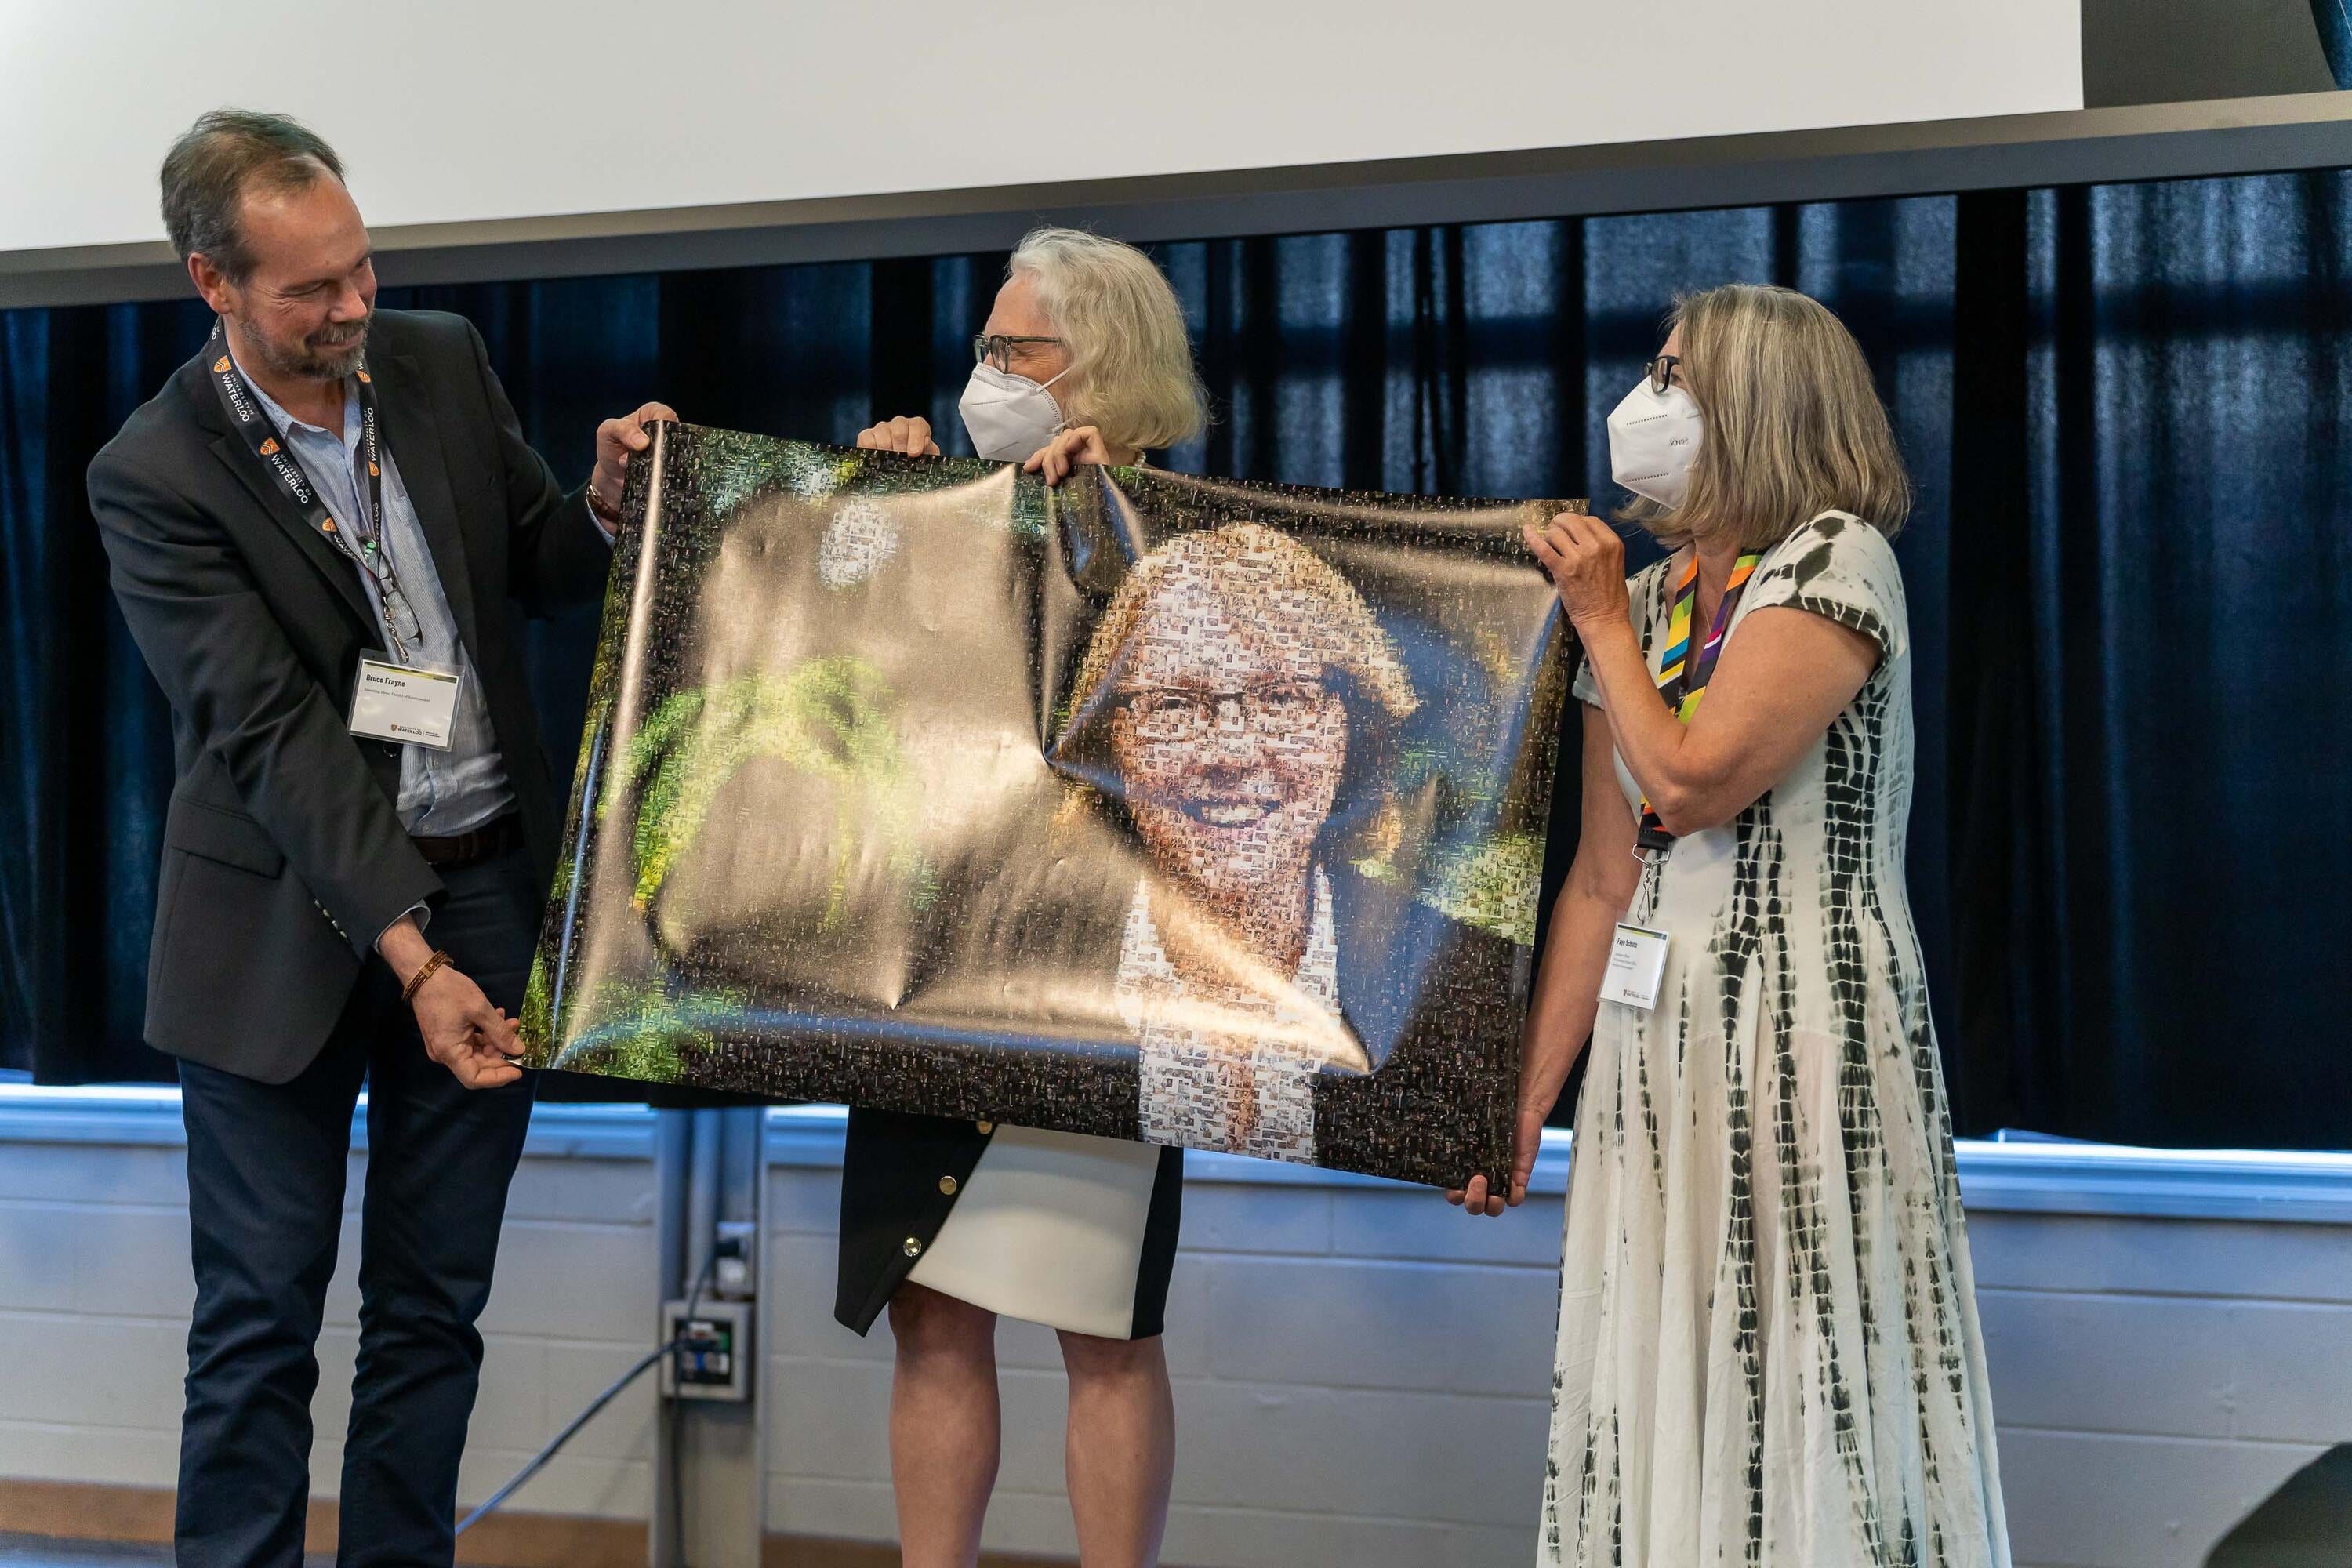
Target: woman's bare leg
{"points": [[1121, 1454], [944, 1425]]}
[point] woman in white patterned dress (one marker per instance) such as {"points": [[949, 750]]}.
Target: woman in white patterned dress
{"points": [[1768, 1346]]}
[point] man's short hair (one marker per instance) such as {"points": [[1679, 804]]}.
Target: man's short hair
{"points": [[207, 170]]}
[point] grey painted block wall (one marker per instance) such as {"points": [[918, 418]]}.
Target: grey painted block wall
{"points": [[1360, 1372]]}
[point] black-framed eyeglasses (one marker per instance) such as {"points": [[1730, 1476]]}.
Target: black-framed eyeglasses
{"points": [[1663, 371], [997, 348], [400, 617], [1271, 709], [398, 614]]}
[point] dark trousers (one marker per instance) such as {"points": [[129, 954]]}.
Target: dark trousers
{"points": [[266, 1167]]}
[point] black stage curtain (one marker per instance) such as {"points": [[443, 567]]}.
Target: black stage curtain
{"points": [[2129, 413]]}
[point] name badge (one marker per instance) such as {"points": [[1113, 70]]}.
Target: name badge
{"points": [[1637, 963], [414, 704]]}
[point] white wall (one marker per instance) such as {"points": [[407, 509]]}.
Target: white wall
{"points": [[96, 1285], [1362, 1373], [458, 110]]}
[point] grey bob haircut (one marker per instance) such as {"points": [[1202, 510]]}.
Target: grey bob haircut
{"points": [[1130, 362]]}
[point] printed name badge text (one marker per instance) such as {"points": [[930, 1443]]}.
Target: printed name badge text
{"points": [[412, 704], [1637, 963]]}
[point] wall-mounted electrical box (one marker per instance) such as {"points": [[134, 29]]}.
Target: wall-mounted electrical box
{"points": [[710, 1353]]}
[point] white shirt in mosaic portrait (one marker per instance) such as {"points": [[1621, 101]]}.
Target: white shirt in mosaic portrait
{"points": [[1245, 1093]]}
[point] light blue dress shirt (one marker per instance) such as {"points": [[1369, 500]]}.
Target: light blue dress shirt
{"points": [[441, 793]]}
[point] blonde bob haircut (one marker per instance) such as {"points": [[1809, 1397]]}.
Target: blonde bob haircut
{"points": [[1276, 591], [1794, 426], [1131, 370]]}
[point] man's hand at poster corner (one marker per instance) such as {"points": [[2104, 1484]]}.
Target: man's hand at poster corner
{"points": [[461, 1030]]}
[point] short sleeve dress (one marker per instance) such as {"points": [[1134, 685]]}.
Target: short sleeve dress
{"points": [[1768, 1346]]}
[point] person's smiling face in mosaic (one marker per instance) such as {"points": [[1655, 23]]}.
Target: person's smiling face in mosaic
{"points": [[1228, 740]]}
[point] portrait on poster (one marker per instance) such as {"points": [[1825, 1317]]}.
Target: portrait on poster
{"points": [[1183, 810]]}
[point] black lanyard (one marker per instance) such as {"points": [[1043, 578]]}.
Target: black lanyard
{"points": [[244, 409]]}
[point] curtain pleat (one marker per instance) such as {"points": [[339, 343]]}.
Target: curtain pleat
{"points": [[2129, 409]]}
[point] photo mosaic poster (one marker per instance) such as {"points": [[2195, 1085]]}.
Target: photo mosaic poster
{"points": [[1158, 807]]}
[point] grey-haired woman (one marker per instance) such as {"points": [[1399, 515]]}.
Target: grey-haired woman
{"points": [[950, 1225]]}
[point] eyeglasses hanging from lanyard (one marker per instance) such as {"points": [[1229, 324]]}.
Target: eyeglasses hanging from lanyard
{"points": [[1684, 671], [360, 539]]}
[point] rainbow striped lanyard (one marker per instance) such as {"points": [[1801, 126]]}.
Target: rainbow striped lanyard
{"points": [[1682, 678]]}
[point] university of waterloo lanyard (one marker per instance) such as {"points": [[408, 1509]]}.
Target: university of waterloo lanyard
{"points": [[359, 538], [1683, 672]]}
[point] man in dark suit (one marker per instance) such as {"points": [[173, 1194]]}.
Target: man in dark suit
{"points": [[327, 503]]}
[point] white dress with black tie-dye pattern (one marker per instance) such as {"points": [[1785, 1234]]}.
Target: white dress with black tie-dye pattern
{"points": [[1768, 1346]]}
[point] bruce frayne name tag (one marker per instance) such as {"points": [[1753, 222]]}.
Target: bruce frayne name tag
{"points": [[414, 704], [1637, 961]]}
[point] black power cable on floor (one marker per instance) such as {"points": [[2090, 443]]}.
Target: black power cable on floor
{"points": [[539, 1460]]}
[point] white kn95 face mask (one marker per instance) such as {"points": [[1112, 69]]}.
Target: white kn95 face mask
{"points": [[1008, 416], [1654, 439]]}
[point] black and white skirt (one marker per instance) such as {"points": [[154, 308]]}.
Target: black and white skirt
{"points": [[1075, 1232]]}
